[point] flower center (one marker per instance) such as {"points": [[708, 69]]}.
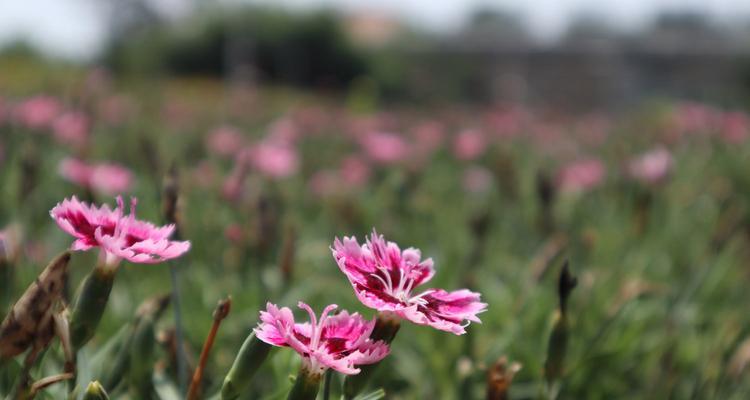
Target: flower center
{"points": [[400, 290]]}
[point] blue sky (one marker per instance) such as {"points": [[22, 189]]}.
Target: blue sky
{"points": [[77, 28]]}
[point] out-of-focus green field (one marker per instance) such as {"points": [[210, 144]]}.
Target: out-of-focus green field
{"points": [[660, 310]]}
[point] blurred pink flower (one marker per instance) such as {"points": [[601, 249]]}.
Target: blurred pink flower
{"points": [[354, 171], [234, 233], [273, 159], [283, 131], [735, 127], [694, 118], [341, 341], [71, 128], [38, 112], [383, 278], [225, 141], [103, 178], [204, 174], [428, 137], [385, 148], [581, 176], [652, 167], [507, 122], [117, 235], [235, 182], [469, 144], [477, 179], [325, 183]]}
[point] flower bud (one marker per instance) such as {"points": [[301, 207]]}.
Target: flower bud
{"points": [[251, 356], [90, 304], [95, 391], [306, 385], [558, 340]]}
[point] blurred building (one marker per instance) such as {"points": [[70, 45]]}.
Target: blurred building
{"points": [[592, 67]]}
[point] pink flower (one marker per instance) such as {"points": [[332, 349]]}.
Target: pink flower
{"points": [[383, 278], [38, 112], [581, 176], [274, 159], [118, 236], [104, 178], [225, 141], [71, 128], [652, 167], [385, 148], [469, 144], [340, 341]]}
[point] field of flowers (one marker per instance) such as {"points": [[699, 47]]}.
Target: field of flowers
{"points": [[606, 255]]}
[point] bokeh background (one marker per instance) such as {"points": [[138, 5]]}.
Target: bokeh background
{"points": [[501, 138]]}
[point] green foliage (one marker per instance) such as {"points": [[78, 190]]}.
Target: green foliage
{"points": [[307, 50]]}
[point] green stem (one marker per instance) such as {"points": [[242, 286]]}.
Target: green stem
{"points": [[327, 385]]}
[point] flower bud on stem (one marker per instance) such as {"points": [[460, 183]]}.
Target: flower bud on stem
{"points": [[251, 356], [95, 391], [558, 340], [90, 304], [221, 312]]}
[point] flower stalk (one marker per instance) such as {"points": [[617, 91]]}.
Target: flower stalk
{"points": [[558, 340], [221, 312]]}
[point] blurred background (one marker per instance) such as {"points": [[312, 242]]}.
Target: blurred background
{"points": [[499, 137], [578, 55]]}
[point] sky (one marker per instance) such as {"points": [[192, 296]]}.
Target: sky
{"points": [[77, 28]]}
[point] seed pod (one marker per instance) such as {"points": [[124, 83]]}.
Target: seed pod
{"points": [[30, 320], [251, 356], [95, 391], [499, 378], [90, 304]]}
